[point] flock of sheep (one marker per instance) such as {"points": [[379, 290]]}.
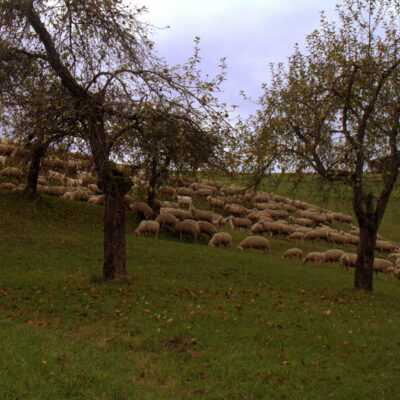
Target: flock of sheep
{"points": [[258, 213]]}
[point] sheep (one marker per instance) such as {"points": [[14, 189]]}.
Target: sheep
{"points": [[218, 220], [184, 191], [221, 238], [168, 190], [294, 252], [147, 226], [342, 217], [12, 172], [239, 222], [53, 175], [332, 255], [3, 160], [8, 186], [315, 256], [215, 202], [204, 192], [167, 219], [348, 260], [297, 236], [383, 245], [96, 199], [207, 227], [184, 200], [262, 197], [337, 238], [183, 214], [236, 210], [55, 190], [188, 226], [94, 188], [171, 204], [258, 227], [254, 242], [381, 265], [142, 210], [301, 221], [201, 214]]}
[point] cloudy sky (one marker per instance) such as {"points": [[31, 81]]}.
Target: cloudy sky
{"points": [[249, 33]]}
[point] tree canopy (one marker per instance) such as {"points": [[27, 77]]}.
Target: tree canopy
{"points": [[334, 109]]}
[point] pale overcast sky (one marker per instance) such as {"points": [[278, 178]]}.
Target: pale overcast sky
{"points": [[249, 33]]}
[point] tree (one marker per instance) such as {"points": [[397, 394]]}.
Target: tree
{"points": [[172, 139], [37, 110], [101, 54], [335, 109]]}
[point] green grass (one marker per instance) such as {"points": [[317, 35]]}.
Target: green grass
{"points": [[190, 322]]}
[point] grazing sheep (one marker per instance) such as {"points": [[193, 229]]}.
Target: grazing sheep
{"points": [[258, 227], [12, 172], [170, 204], [385, 246], [332, 255], [166, 219], [301, 221], [3, 160], [297, 236], [8, 186], [315, 256], [204, 192], [215, 202], [221, 238], [385, 266], [254, 242], [184, 200], [236, 210], [188, 226], [149, 227], [185, 191], [294, 252], [207, 227], [348, 260], [142, 210], [94, 189], [168, 190], [239, 222], [202, 214], [97, 199]]}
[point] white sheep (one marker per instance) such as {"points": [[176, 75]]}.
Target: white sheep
{"points": [[385, 266], [147, 226], [332, 255], [166, 219], [254, 242], [297, 236], [294, 252], [184, 200], [8, 186], [348, 260], [315, 256], [221, 238], [188, 226]]}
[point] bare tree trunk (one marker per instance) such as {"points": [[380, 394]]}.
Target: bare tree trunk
{"points": [[115, 186], [37, 153], [114, 265], [363, 277]]}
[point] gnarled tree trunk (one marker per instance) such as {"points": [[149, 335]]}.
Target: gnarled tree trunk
{"points": [[114, 227], [363, 277], [38, 151], [115, 186]]}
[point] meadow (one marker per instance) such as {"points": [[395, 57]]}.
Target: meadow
{"points": [[189, 321]]}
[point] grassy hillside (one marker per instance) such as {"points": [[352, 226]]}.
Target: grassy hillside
{"points": [[190, 322]]}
